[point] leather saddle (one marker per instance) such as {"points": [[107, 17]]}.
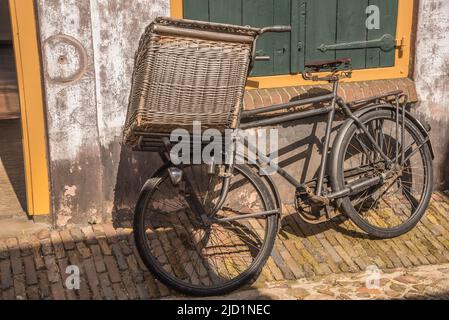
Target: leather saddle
{"points": [[329, 65]]}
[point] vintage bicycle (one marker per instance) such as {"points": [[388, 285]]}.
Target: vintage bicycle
{"points": [[209, 228]]}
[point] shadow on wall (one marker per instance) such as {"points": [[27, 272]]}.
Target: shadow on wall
{"points": [[439, 137], [440, 142], [444, 169], [134, 169], [300, 146]]}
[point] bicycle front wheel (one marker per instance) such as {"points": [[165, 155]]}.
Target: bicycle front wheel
{"points": [[191, 249], [396, 204]]}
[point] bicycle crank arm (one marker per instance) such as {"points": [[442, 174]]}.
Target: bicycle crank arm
{"points": [[245, 216], [359, 186]]}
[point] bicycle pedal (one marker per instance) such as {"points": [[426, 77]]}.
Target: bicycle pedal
{"points": [[319, 200], [306, 194]]}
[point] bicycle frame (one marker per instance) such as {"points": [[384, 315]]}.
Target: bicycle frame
{"points": [[194, 212], [335, 103]]}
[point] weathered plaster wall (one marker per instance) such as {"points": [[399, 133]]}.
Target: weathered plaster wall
{"points": [[432, 80], [88, 48]]}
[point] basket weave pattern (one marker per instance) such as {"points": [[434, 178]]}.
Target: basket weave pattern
{"points": [[178, 80]]}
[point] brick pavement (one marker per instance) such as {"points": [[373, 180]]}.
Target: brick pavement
{"points": [[33, 266]]}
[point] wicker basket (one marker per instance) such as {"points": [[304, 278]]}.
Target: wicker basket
{"points": [[188, 71]]}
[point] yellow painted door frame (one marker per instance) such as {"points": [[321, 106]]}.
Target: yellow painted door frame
{"points": [[26, 50]]}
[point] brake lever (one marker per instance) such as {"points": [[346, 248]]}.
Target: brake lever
{"points": [[276, 29]]}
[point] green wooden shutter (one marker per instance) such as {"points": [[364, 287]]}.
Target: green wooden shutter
{"points": [[281, 41], [343, 23], [321, 22], [389, 14], [257, 13], [351, 26], [316, 25], [196, 9], [229, 11]]}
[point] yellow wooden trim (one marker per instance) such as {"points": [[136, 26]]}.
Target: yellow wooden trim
{"points": [[400, 70], [26, 50], [176, 9], [297, 80]]}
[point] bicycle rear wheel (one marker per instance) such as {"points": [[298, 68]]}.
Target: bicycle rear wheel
{"points": [[396, 204], [191, 253]]}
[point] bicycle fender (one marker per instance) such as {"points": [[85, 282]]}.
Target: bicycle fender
{"points": [[148, 185], [268, 179], [422, 128]]}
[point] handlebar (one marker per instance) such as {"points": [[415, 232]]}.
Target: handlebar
{"points": [[262, 31], [275, 29]]}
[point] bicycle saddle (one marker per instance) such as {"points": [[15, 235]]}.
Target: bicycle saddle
{"points": [[316, 66]]}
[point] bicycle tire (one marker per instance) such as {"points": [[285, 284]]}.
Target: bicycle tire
{"points": [[338, 182], [245, 278]]}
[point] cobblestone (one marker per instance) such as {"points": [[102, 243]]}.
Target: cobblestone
{"points": [[308, 262], [423, 282]]}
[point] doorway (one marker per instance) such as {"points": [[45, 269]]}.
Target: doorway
{"points": [[13, 200]]}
